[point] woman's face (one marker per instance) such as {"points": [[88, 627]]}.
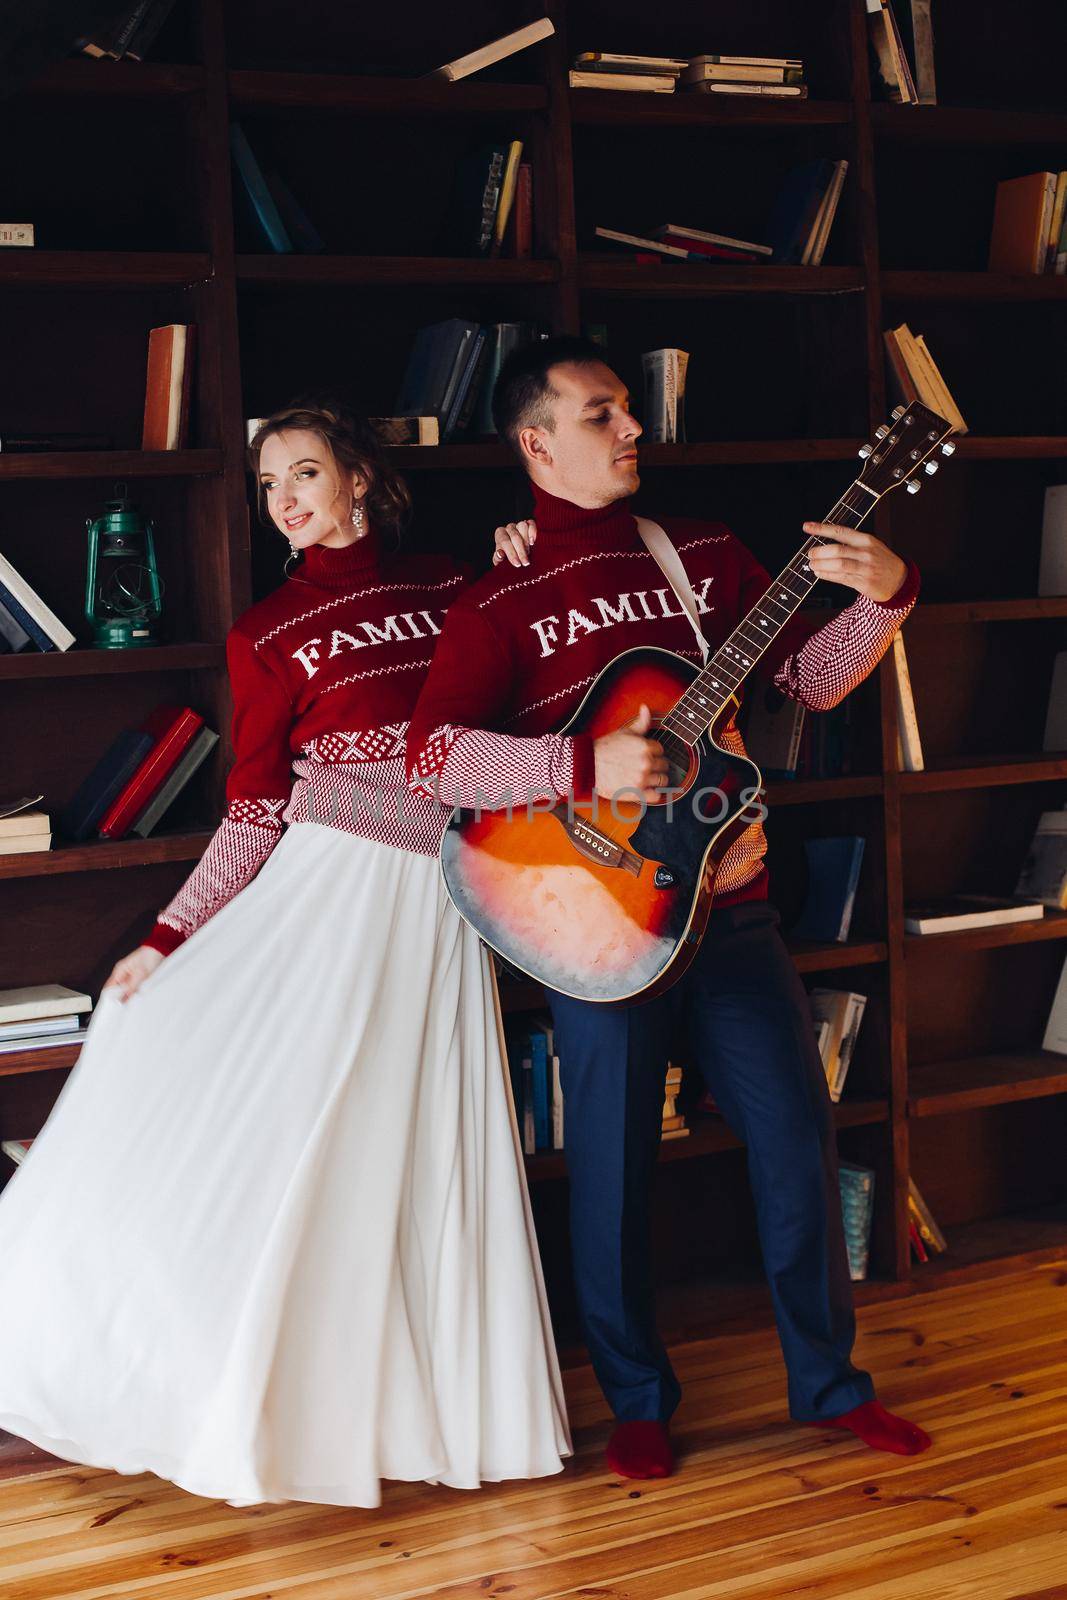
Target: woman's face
{"points": [[308, 497]]}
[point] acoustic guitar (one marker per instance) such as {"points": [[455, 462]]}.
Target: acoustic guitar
{"points": [[607, 900]]}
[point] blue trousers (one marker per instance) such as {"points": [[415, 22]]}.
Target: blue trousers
{"points": [[747, 1017]]}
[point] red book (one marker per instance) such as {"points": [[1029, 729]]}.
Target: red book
{"points": [[701, 247], [518, 234], [168, 387], [917, 1243], [174, 728]]}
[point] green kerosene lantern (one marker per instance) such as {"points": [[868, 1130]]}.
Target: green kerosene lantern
{"points": [[123, 593]]}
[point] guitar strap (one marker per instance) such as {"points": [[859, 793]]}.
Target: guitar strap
{"points": [[669, 562]]}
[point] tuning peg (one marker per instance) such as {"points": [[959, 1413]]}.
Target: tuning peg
{"points": [[881, 431], [913, 486], [897, 413], [865, 450], [930, 467], [948, 449]]}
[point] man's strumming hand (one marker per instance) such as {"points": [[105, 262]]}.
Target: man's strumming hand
{"points": [[856, 559], [626, 759]]}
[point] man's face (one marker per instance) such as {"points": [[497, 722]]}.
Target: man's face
{"points": [[590, 457]]}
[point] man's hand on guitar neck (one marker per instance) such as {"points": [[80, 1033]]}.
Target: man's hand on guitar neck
{"points": [[514, 542], [627, 760], [856, 559]]}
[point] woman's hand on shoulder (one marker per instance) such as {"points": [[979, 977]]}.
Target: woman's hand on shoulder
{"points": [[128, 974], [514, 542]]}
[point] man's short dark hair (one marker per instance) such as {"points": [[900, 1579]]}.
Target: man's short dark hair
{"points": [[522, 391]]}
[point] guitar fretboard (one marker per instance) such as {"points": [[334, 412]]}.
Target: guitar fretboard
{"points": [[701, 703]]}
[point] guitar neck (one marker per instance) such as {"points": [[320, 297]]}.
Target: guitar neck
{"points": [[752, 638]]}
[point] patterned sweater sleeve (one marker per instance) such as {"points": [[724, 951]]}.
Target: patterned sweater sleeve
{"points": [[257, 792], [454, 758], [820, 668]]}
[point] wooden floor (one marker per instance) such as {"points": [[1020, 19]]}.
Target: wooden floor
{"points": [[760, 1509]]}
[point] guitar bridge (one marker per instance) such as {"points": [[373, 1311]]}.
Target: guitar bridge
{"points": [[596, 846]]}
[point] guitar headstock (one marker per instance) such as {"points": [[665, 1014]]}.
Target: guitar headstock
{"points": [[903, 448]]}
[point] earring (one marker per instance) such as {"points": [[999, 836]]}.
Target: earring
{"points": [[359, 517], [291, 557]]}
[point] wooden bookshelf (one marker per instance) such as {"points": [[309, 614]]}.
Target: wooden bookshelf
{"points": [[786, 381]]}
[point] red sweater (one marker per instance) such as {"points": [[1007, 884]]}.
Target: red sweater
{"points": [[521, 647], [324, 674]]}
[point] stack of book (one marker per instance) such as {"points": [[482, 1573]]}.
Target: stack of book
{"points": [[958, 913], [926, 1237], [803, 212], [535, 1086], [24, 617], [490, 214], [797, 233], [893, 71], [23, 829], [42, 1016], [915, 375], [599, 69], [674, 1124], [833, 877], [857, 1212], [449, 380], [837, 1014], [786, 743], [269, 204], [139, 776], [1030, 224], [130, 36], [777, 77], [674, 242]]}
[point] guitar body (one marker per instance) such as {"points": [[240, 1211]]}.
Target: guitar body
{"points": [[608, 905]]}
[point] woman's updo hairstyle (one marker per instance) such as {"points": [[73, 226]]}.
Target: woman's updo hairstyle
{"points": [[355, 447]]}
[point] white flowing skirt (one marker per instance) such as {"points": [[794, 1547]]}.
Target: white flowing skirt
{"points": [[274, 1242]]}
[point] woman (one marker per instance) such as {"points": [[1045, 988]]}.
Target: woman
{"points": [[274, 1242]]}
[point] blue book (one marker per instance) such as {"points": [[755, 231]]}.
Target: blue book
{"points": [[541, 1091], [463, 399], [857, 1211], [21, 616], [259, 195], [833, 876], [105, 782], [795, 208], [295, 219], [13, 636]]}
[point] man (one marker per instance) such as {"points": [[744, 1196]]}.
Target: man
{"points": [[517, 654]]}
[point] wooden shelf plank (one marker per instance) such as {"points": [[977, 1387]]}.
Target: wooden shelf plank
{"points": [[1053, 925], [102, 269], [391, 270], [118, 80], [57, 1057], [968, 125], [89, 663], [708, 1135], [103, 855], [948, 1086], [829, 957], [112, 464], [598, 107], [743, 452], [1011, 447], [490, 453], [985, 772], [1000, 286], [955, 612], [812, 791], [694, 280], [395, 97]]}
